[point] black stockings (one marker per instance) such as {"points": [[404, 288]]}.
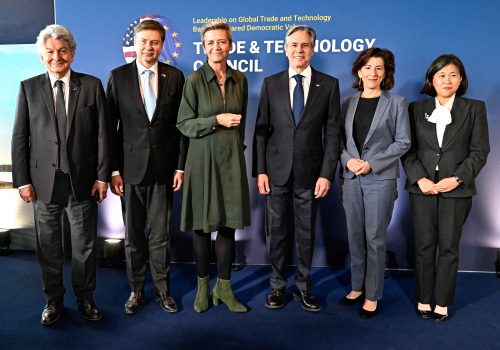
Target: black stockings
{"points": [[224, 251]]}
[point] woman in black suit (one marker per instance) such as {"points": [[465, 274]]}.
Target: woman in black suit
{"points": [[449, 148]]}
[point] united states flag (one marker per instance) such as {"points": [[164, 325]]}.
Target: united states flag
{"points": [[172, 48]]}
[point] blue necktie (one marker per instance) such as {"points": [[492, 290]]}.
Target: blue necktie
{"points": [[298, 99], [149, 96], [61, 127]]}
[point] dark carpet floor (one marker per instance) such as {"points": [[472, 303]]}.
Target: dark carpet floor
{"points": [[474, 321]]}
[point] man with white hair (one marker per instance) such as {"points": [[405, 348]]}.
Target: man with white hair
{"points": [[60, 163]]}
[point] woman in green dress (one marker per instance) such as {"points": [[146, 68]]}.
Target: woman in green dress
{"points": [[215, 198]]}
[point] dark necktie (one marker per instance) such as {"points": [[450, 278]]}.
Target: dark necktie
{"points": [[298, 99], [61, 127]]}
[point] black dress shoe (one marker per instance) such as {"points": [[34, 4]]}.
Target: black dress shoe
{"points": [[363, 313], [167, 303], [424, 314], [134, 302], [307, 300], [52, 312], [89, 311], [349, 302], [439, 318], [276, 299]]}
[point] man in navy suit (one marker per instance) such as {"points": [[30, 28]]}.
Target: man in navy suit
{"points": [[295, 153], [60, 162], [148, 159]]}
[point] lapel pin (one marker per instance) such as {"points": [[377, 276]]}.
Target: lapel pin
{"points": [[427, 116], [317, 85], [163, 75]]}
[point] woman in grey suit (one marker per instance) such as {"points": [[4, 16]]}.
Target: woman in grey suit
{"points": [[376, 135], [449, 148]]}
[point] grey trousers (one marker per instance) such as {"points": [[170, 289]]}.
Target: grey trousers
{"points": [[82, 218], [368, 206]]}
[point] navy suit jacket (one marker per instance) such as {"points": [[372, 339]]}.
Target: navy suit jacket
{"points": [[34, 138], [464, 149], [308, 150], [138, 141], [387, 140]]}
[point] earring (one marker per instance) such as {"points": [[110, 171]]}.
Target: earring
{"points": [[360, 84]]}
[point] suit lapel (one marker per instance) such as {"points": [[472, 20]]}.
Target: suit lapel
{"points": [[429, 129], [74, 92], [314, 91], [284, 96], [348, 124], [162, 88], [382, 104], [459, 113], [48, 96], [136, 89]]}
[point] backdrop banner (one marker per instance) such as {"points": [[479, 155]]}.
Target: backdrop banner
{"points": [[416, 31]]}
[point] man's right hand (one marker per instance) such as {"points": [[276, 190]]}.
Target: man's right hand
{"points": [[117, 185], [263, 184], [27, 194]]}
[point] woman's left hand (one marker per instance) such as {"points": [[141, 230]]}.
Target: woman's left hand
{"points": [[228, 120], [447, 184], [365, 168]]}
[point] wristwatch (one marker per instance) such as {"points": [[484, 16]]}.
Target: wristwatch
{"points": [[457, 179]]}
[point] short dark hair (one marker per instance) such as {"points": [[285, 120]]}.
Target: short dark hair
{"points": [[149, 24], [389, 67], [214, 25], [301, 28], [438, 64]]}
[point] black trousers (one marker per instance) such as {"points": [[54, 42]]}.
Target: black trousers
{"points": [[438, 223], [147, 210], [278, 205], [82, 217]]}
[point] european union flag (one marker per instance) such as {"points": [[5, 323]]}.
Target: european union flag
{"points": [[172, 48]]}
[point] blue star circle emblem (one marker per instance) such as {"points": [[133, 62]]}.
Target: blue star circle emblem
{"points": [[172, 48]]}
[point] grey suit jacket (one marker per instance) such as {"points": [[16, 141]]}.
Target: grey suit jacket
{"points": [[34, 137], [464, 149], [387, 140]]}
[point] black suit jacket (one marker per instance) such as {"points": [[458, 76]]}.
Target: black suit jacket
{"points": [[34, 139], [137, 140], [308, 150], [464, 149]]}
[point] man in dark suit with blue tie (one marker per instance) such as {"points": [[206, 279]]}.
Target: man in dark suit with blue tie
{"points": [[295, 153], [148, 159], [60, 162]]}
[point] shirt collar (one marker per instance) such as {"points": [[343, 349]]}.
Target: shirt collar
{"points": [[141, 68], [448, 104], [306, 73], [64, 79]]}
